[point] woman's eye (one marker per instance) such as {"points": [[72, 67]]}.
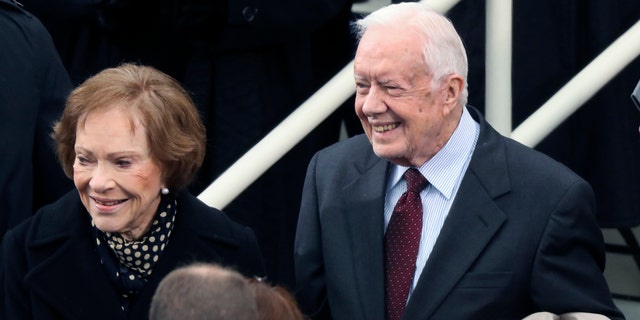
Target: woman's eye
{"points": [[123, 163]]}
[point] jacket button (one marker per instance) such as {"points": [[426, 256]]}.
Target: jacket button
{"points": [[249, 13]]}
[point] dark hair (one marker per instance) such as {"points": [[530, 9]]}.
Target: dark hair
{"points": [[175, 133], [203, 292], [274, 302]]}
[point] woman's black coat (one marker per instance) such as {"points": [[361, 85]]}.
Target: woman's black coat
{"points": [[50, 270]]}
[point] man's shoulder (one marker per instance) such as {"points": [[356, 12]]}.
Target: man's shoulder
{"points": [[358, 144], [521, 158], [537, 166]]}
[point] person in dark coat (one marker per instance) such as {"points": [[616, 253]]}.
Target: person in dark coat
{"points": [[131, 139], [501, 231], [33, 87], [248, 65]]}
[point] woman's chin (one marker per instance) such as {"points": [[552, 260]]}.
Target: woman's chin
{"points": [[107, 225]]}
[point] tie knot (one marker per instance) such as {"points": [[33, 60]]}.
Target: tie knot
{"points": [[415, 180]]}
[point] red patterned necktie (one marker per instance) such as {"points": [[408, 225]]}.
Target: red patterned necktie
{"points": [[401, 243]]}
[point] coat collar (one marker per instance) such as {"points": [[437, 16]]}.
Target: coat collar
{"points": [[61, 245], [366, 224]]}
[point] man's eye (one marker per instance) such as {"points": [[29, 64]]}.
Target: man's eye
{"points": [[361, 87], [394, 90]]}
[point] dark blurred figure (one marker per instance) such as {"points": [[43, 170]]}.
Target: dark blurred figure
{"points": [[268, 63], [92, 35], [33, 89]]}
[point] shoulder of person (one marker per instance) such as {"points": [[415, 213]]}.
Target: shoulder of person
{"points": [[67, 202], [535, 161], [356, 144], [199, 216], [356, 147], [12, 6], [531, 161], [56, 220]]}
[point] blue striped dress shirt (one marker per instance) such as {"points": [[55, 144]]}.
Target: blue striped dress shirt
{"points": [[444, 172]]}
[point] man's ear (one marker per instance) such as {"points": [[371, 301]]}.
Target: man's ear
{"points": [[452, 87], [455, 84]]}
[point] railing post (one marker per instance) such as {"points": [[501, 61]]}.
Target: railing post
{"points": [[498, 56]]}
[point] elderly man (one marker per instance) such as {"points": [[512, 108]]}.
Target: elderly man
{"points": [[432, 214]]}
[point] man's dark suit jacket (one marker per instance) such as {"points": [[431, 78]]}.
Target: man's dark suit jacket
{"points": [[50, 270], [520, 237]]}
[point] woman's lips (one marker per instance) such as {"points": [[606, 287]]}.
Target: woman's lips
{"points": [[106, 205]]}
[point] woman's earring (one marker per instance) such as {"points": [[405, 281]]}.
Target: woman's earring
{"points": [[164, 191]]}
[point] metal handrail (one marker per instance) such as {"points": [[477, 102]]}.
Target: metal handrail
{"points": [[280, 140], [498, 55], [580, 88], [288, 133]]}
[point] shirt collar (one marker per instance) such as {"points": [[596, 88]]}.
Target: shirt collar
{"points": [[442, 170]]}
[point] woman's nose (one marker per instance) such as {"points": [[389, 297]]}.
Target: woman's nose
{"points": [[102, 178]]}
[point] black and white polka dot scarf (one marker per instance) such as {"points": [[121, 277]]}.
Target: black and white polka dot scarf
{"points": [[129, 263]]}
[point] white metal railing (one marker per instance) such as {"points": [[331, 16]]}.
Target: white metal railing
{"points": [[498, 52], [288, 133], [580, 89], [335, 92], [280, 140]]}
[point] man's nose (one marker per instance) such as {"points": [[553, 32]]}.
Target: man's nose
{"points": [[374, 102]]}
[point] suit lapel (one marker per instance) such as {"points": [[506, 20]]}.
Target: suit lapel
{"points": [[470, 225], [472, 222], [363, 203]]}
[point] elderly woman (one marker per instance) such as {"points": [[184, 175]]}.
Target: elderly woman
{"points": [[131, 139]]}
